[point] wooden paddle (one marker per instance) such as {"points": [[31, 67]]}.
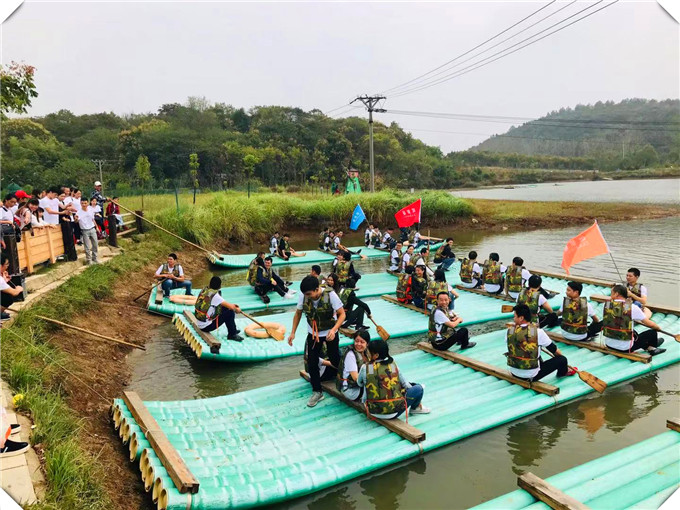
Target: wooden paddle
{"points": [[381, 331], [149, 290], [507, 308], [272, 332], [597, 384]]}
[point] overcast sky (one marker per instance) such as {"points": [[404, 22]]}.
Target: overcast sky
{"points": [[134, 57]]}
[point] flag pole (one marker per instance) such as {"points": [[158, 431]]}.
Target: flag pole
{"points": [[610, 254]]}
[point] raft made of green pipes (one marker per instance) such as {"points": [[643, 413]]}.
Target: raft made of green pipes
{"points": [[643, 475], [265, 446]]}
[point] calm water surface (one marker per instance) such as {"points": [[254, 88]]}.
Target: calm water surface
{"points": [[653, 191], [484, 466]]}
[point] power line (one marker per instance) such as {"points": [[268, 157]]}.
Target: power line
{"points": [[479, 64], [417, 78]]}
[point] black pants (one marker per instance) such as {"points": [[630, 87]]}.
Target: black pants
{"points": [[313, 353], [649, 338], [6, 300], [558, 363], [548, 321], [355, 317], [460, 336], [226, 316], [261, 289]]}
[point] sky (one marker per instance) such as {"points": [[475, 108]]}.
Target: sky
{"points": [[132, 57]]}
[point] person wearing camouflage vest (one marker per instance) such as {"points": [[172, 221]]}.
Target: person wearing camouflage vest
{"points": [[267, 280], [325, 314], [395, 257], [404, 286], [575, 313], [407, 259], [524, 342], [344, 267], [284, 249], [492, 274], [435, 286], [617, 325], [443, 332], [251, 275], [516, 277], [387, 393], [636, 291], [470, 272], [352, 359], [419, 287], [536, 301], [211, 310], [355, 316], [444, 255], [172, 275]]}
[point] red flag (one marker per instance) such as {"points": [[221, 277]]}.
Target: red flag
{"points": [[588, 244], [409, 214]]}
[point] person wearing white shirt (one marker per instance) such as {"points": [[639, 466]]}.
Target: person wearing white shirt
{"points": [[406, 258], [575, 313], [98, 218], [636, 291], [353, 358], [88, 232], [212, 310], [7, 292], [395, 257], [6, 214], [173, 277], [387, 240], [516, 277], [524, 342], [37, 219], [274, 243], [470, 271], [492, 274], [536, 301], [325, 314], [50, 205], [443, 332], [367, 234], [620, 314], [423, 259]]}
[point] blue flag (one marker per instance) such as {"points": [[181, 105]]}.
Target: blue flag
{"points": [[358, 216]]}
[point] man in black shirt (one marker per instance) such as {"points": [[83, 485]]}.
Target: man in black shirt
{"points": [[444, 255], [349, 300]]}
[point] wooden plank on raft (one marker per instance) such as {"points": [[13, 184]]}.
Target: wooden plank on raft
{"points": [[480, 366], [592, 346], [159, 293], [180, 474], [599, 298], [401, 428], [673, 424], [548, 494], [481, 292], [206, 337], [394, 300]]}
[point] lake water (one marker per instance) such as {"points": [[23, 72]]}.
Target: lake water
{"points": [[486, 465], [648, 191]]}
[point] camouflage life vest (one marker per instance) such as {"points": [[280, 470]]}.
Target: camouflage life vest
{"points": [[266, 273], [575, 315], [466, 270], [404, 288], [433, 289], [342, 270], [166, 269], [323, 314], [375, 237], [530, 298], [439, 254], [343, 384], [284, 245], [418, 286], [635, 289], [252, 272], [322, 240], [203, 304], [384, 393], [514, 278], [432, 325], [411, 236], [523, 352], [391, 262], [344, 295], [617, 323], [491, 273]]}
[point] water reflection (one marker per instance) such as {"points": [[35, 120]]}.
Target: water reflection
{"points": [[383, 491]]}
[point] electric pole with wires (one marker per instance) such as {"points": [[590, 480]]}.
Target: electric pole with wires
{"points": [[370, 102]]}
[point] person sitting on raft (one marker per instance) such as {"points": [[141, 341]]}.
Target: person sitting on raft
{"points": [[525, 340], [516, 277], [322, 238], [535, 300], [172, 275], [353, 358], [367, 235], [387, 241], [395, 257], [251, 275], [404, 286], [492, 274], [316, 271], [325, 314], [617, 325], [442, 332], [339, 247], [419, 287], [376, 235], [636, 291], [407, 259], [211, 310], [344, 267], [444, 255], [575, 313], [285, 251], [437, 285], [268, 280], [274, 243], [420, 240], [470, 272], [423, 260], [386, 392], [355, 316]]}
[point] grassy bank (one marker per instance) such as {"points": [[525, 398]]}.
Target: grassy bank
{"points": [[234, 216], [46, 366]]}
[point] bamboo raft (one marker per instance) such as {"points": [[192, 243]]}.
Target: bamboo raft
{"points": [[264, 446], [643, 475]]}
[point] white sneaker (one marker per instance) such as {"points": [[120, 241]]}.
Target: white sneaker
{"points": [[289, 295], [316, 397], [420, 410]]}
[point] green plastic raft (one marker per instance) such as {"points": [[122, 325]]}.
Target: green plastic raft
{"points": [[397, 320], [244, 295], [313, 256], [265, 446], [643, 475]]}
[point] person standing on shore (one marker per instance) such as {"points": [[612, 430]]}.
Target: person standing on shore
{"points": [[88, 231]]}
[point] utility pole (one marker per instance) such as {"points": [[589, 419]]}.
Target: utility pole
{"points": [[369, 102], [100, 163]]}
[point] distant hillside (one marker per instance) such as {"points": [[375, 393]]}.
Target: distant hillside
{"points": [[599, 130]]}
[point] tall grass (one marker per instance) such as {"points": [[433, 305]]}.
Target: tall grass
{"points": [[235, 216]]}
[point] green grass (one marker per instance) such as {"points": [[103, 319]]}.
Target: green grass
{"points": [[31, 365], [232, 215]]}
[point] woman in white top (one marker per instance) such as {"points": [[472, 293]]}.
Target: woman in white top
{"points": [[354, 357], [25, 213], [38, 219]]}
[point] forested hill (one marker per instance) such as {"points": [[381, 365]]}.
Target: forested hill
{"points": [[604, 128]]}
